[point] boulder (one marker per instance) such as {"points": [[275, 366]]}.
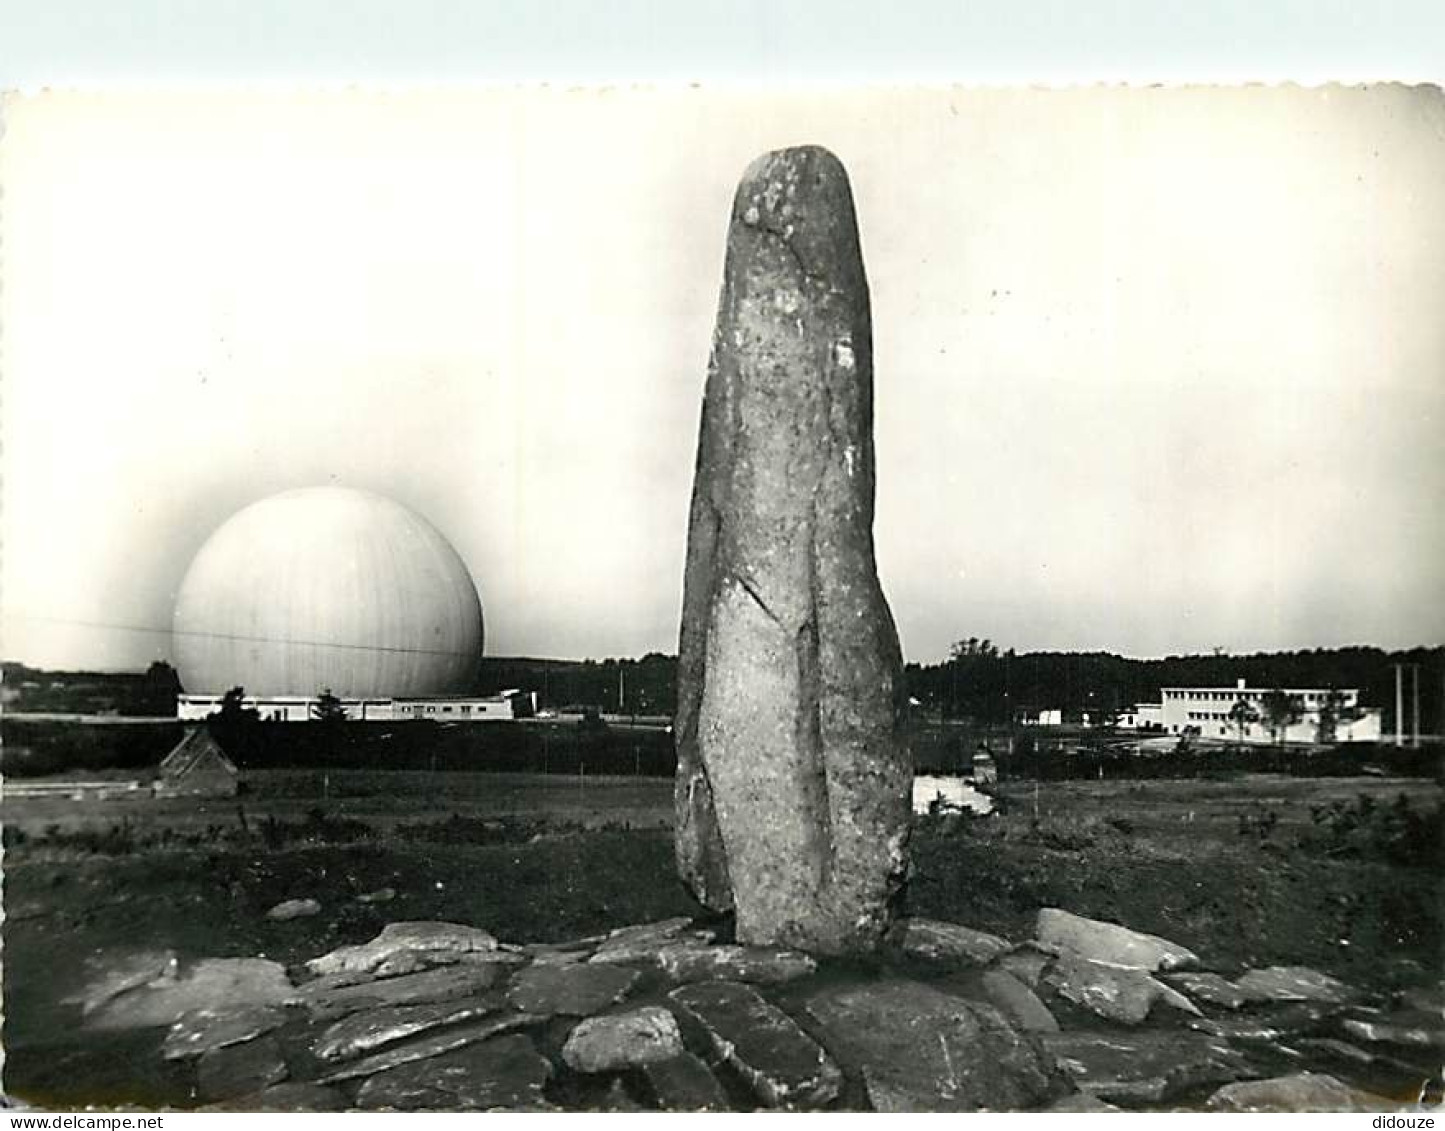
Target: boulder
{"points": [[294, 909], [1292, 983], [576, 990], [1019, 1002], [1305, 1091], [623, 1040], [360, 1033], [1118, 993], [794, 777], [1404, 1027], [505, 1072], [1080, 1103], [1146, 1066], [918, 1049], [1027, 964], [452, 938], [949, 943], [1209, 988], [734, 964], [685, 1083], [430, 1045], [326, 1001], [640, 943], [1061, 931], [200, 1031], [217, 984], [782, 1064], [238, 1070]]}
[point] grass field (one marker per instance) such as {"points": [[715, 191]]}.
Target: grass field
{"points": [[1334, 873]]}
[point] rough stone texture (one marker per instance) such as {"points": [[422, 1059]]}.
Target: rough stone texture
{"points": [[1292, 983], [1145, 1066], [201, 1030], [238, 1070], [109, 976], [431, 1045], [1081, 1103], [919, 1050], [1209, 988], [935, 941], [506, 1072], [445, 983], [293, 1096], [415, 961], [685, 1083], [577, 990], [1109, 942], [1271, 1024], [398, 937], [370, 1029], [294, 909], [1118, 993], [1408, 1027], [623, 1040], [793, 777], [1027, 964], [782, 1064], [1019, 1002], [212, 983], [642, 942], [1306, 1091], [734, 964]]}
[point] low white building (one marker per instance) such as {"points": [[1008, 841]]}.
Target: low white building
{"points": [[504, 706], [1142, 716], [1206, 711]]}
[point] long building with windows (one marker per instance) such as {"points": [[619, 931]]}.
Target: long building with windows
{"points": [[1207, 712], [435, 708]]}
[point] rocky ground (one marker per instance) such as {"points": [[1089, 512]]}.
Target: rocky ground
{"points": [[1083, 1016]]}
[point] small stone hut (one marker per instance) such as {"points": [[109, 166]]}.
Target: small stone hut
{"points": [[197, 767]]}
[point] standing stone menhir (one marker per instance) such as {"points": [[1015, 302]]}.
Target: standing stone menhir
{"points": [[793, 775]]}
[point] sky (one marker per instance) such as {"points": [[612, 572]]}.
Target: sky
{"points": [[1156, 370]]}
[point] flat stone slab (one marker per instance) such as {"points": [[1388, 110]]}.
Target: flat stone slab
{"points": [[431, 1045], [110, 974], [1286, 1020], [238, 1070], [1407, 1027], [936, 941], [640, 943], [443, 983], [919, 1049], [782, 1064], [395, 938], [291, 1096], [212, 983], [1306, 1091], [1292, 983], [1117, 993], [685, 1083], [505, 1072], [1109, 942], [360, 1033], [577, 990], [1081, 1103], [415, 961], [201, 1030], [1210, 988], [1018, 1002], [734, 964], [1145, 1066], [623, 1040]]}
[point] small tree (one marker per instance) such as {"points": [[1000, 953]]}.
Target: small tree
{"points": [[1243, 715], [328, 708], [1331, 709], [234, 712], [1281, 711]]}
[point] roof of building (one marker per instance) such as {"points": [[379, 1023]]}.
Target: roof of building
{"points": [[196, 751]]}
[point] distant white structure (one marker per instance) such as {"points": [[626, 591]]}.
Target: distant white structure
{"points": [[437, 708], [1043, 717], [1205, 711], [1142, 716]]}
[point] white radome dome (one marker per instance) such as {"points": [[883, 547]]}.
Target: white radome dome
{"points": [[327, 587]]}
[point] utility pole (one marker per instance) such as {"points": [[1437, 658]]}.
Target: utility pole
{"points": [[1415, 712], [1399, 704]]}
